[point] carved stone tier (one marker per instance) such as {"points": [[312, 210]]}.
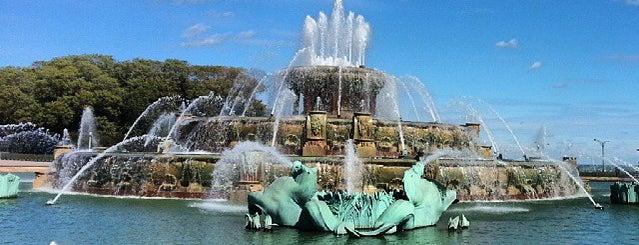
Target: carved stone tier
{"points": [[363, 134], [315, 145]]}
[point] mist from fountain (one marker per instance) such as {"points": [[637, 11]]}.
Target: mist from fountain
{"points": [[353, 169], [93, 160], [88, 133], [565, 169]]}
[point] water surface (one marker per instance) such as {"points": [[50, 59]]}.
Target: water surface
{"points": [[84, 219]]}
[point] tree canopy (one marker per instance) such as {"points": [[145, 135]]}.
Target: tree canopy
{"points": [[52, 94]]}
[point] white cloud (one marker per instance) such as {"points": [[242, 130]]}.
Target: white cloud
{"points": [[632, 2], [212, 40], [216, 39], [227, 14], [535, 65], [246, 34], [560, 85], [195, 30], [512, 43]]}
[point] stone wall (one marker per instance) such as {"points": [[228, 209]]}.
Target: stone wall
{"points": [[191, 176], [219, 134], [502, 180]]}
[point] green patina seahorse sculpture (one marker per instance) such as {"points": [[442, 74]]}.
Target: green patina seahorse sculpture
{"points": [[294, 201]]}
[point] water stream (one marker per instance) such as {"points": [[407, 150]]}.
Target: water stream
{"points": [[88, 133], [89, 164]]}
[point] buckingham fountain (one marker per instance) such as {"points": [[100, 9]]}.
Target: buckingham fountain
{"points": [[334, 154]]}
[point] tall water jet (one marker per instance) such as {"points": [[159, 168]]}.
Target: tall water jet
{"points": [[353, 169], [503, 121], [412, 101], [614, 161], [241, 93], [389, 107], [427, 99], [340, 41], [475, 114], [260, 84], [160, 127], [540, 141], [171, 136], [287, 98], [579, 183], [88, 133], [161, 102], [339, 92], [280, 83], [66, 138]]}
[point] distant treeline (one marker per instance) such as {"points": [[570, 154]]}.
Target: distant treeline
{"points": [[52, 94]]}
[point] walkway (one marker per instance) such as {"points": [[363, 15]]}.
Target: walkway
{"points": [[13, 166]]}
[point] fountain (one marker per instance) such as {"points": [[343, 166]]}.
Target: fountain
{"points": [[88, 133], [162, 106], [326, 111], [353, 169]]}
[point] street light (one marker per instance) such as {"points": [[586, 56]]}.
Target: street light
{"points": [[602, 143]]}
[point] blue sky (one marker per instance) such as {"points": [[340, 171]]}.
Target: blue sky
{"points": [[569, 66]]}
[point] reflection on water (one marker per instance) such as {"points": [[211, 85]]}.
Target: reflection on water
{"points": [[83, 219]]}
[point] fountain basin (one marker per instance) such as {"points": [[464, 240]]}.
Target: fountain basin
{"points": [[190, 176]]}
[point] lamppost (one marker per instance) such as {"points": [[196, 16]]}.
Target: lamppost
{"points": [[602, 143]]}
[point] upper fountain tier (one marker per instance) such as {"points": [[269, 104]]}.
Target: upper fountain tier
{"points": [[330, 75], [340, 91], [339, 41]]}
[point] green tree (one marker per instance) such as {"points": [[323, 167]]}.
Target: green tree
{"points": [[53, 93]]}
